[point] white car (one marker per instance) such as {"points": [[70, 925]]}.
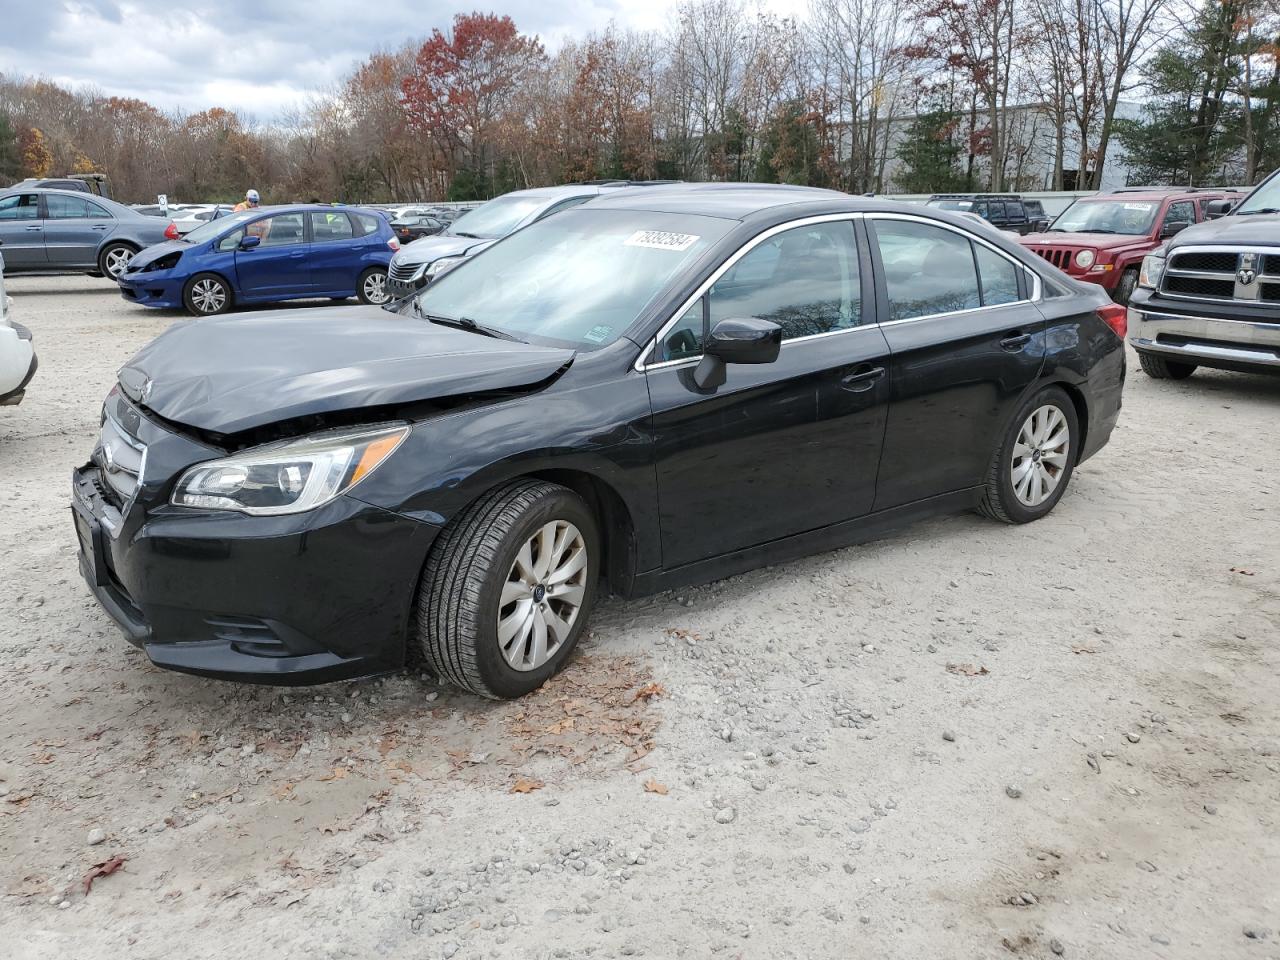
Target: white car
{"points": [[192, 217], [17, 355]]}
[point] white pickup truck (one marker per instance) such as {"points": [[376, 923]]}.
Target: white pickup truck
{"points": [[17, 354]]}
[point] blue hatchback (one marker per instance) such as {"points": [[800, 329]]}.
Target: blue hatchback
{"points": [[266, 255]]}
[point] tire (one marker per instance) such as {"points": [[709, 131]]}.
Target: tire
{"points": [[371, 288], [113, 258], [473, 567], [1004, 499], [1158, 368], [207, 295], [1124, 289]]}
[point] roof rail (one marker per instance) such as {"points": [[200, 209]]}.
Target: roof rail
{"points": [[1166, 189]]}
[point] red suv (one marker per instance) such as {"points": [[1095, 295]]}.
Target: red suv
{"points": [[1103, 238]]}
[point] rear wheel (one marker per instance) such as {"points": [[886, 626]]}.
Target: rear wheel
{"points": [[113, 258], [1161, 369], [372, 286], [1031, 469], [207, 294], [507, 589]]}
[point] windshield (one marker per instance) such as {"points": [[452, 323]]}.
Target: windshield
{"points": [[577, 279], [1107, 216], [495, 219], [214, 228], [1265, 199], [951, 204]]}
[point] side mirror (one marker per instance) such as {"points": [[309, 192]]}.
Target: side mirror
{"points": [[1169, 229], [732, 340], [1218, 208], [248, 243]]}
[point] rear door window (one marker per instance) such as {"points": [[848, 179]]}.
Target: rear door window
{"points": [[927, 269], [999, 277], [326, 226], [60, 207]]}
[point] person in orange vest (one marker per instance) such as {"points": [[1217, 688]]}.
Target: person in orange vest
{"points": [[249, 202]]}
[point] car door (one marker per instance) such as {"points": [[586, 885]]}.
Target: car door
{"points": [[966, 340], [74, 228], [278, 266], [335, 252], [22, 232], [778, 448]]}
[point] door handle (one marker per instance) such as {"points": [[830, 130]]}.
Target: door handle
{"points": [[99, 226], [1015, 341], [861, 379], [35, 227]]}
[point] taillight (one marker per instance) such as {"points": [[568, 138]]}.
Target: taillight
{"points": [[1115, 316], [171, 231], [393, 243]]}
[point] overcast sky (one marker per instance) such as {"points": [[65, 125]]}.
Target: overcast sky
{"points": [[259, 57]]}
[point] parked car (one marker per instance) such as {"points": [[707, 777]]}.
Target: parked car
{"points": [[1210, 296], [188, 219], [1006, 211], [1103, 238], [415, 225], [420, 262], [17, 351], [266, 255], [58, 231], [95, 183], [658, 388]]}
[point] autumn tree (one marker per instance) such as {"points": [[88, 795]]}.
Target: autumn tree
{"points": [[462, 84], [37, 160]]}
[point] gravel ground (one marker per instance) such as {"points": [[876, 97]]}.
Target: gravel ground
{"points": [[966, 740]]}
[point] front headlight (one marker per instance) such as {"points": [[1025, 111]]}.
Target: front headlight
{"points": [[288, 477], [439, 268], [1151, 272], [1085, 258]]}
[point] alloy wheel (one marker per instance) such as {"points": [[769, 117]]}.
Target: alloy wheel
{"points": [[542, 595], [1040, 455], [375, 288], [208, 295], [117, 260]]}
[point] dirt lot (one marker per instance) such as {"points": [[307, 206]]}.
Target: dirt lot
{"points": [[967, 740]]}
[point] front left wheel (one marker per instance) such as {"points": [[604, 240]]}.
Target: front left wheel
{"points": [[507, 589], [372, 286], [207, 294]]}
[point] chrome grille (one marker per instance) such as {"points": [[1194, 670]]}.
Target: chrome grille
{"points": [[121, 458], [403, 272], [1229, 276]]}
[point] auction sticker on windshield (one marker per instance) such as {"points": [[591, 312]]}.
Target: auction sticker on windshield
{"points": [[660, 240]]}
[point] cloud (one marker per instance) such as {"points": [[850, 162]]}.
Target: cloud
{"points": [[258, 56]]}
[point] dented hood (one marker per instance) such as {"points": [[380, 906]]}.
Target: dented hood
{"points": [[238, 372]]}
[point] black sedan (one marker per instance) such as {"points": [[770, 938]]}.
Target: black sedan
{"points": [[413, 225], [651, 390]]}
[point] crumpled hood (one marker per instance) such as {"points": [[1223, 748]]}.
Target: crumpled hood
{"points": [[1251, 229], [241, 371], [150, 254], [427, 249]]}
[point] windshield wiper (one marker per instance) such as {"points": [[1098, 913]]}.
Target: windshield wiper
{"points": [[469, 236], [466, 323], [1245, 213]]}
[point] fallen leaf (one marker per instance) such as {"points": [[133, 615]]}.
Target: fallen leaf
{"points": [[648, 692], [1242, 571], [653, 786], [339, 773], [525, 785], [45, 758], [283, 791], [104, 869], [560, 726], [1083, 649], [387, 744], [967, 669]]}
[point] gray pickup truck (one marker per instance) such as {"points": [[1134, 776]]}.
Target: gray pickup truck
{"points": [[1210, 297]]}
